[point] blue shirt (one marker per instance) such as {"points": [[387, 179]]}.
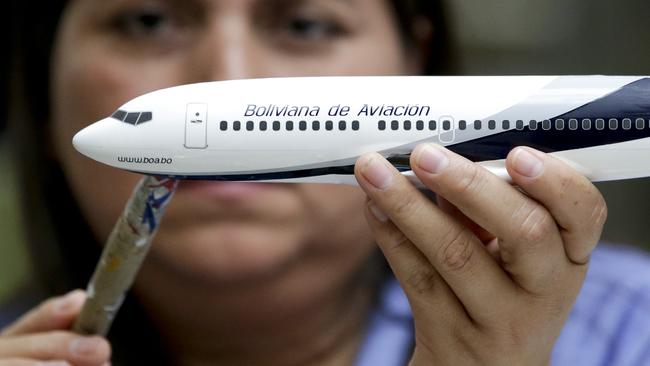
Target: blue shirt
{"points": [[609, 324]]}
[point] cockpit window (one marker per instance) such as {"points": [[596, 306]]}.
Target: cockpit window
{"points": [[145, 117], [119, 115], [133, 118]]}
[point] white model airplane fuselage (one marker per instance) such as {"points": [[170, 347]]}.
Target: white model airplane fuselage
{"points": [[314, 129]]}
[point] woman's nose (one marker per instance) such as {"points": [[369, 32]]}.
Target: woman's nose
{"points": [[228, 50]]}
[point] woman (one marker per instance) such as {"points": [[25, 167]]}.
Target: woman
{"points": [[258, 274]]}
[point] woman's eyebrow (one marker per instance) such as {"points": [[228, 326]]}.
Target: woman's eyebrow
{"points": [[348, 2], [344, 2]]}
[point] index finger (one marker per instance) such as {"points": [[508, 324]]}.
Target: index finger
{"points": [[529, 241], [54, 314], [452, 249]]}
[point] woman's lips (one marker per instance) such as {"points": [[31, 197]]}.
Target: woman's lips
{"points": [[226, 190]]}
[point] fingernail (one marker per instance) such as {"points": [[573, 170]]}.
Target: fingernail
{"points": [[527, 164], [53, 363], [432, 160], [377, 212], [377, 173], [67, 303], [84, 346]]}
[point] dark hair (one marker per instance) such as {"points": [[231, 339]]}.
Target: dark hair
{"points": [[46, 215], [59, 239], [434, 46]]}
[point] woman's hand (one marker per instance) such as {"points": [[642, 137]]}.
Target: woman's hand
{"points": [[41, 337], [492, 274]]}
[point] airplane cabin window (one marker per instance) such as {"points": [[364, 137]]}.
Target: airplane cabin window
{"points": [[224, 126], [586, 124], [559, 124], [407, 125], [640, 123], [315, 126], [613, 124], [546, 124], [394, 125], [492, 124], [600, 124], [573, 124], [342, 125], [462, 125], [263, 126], [289, 125], [532, 125], [329, 125], [419, 125], [132, 118], [505, 125], [432, 125], [446, 125], [250, 126], [478, 124], [302, 125], [145, 117], [627, 124], [236, 126], [382, 125], [119, 115], [519, 125], [355, 125], [276, 125]]}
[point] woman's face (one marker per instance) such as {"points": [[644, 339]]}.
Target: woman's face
{"points": [[108, 52]]}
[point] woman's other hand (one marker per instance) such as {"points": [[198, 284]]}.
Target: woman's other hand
{"points": [[42, 337], [492, 273]]}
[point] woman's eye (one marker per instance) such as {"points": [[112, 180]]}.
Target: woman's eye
{"points": [[143, 23], [313, 29]]}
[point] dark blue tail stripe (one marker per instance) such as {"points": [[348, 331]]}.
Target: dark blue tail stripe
{"points": [[632, 101]]}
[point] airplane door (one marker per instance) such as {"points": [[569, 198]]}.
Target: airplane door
{"points": [[447, 131], [196, 126]]}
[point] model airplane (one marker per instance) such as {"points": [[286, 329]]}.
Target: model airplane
{"points": [[314, 129]]}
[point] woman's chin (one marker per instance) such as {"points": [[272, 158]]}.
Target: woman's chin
{"points": [[233, 254]]}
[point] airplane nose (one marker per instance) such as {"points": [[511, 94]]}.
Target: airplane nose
{"points": [[93, 139]]}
